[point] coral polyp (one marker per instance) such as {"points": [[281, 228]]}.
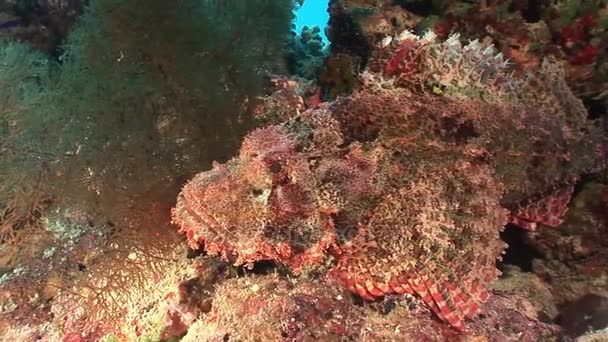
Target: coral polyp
{"points": [[403, 186]]}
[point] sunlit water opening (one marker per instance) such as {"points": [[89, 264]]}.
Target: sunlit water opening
{"points": [[313, 13]]}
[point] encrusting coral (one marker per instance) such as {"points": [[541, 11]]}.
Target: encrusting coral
{"points": [[404, 186], [276, 308]]}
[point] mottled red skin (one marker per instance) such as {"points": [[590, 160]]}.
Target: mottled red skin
{"points": [[290, 197], [316, 186], [396, 65], [548, 211], [211, 213]]}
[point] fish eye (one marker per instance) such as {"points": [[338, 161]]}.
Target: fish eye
{"points": [[257, 192], [275, 167]]}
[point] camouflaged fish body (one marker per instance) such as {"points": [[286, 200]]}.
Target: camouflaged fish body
{"points": [[407, 182]]}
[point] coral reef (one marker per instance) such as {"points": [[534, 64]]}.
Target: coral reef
{"points": [[573, 258], [530, 286], [355, 26], [339, 75], [574, 33], [282, 101], [587, 314], [377, 216], [274, 308], [411, 200], [93, 151]]}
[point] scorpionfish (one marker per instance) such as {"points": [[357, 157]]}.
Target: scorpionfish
{"points": [[405, 185]]}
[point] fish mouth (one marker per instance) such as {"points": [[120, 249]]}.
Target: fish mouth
{"points": [[193, 215], [188, 221]]}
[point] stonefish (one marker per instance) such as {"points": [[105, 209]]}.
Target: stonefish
{"points": [[405, 185]]}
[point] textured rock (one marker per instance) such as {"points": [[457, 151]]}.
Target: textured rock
{"points": [[274, 308], [587, 314]]}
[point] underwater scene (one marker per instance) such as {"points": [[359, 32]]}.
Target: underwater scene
{"points": [[303, 170]]}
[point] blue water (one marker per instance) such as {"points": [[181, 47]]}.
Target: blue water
{"points": [[313, 13]]}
